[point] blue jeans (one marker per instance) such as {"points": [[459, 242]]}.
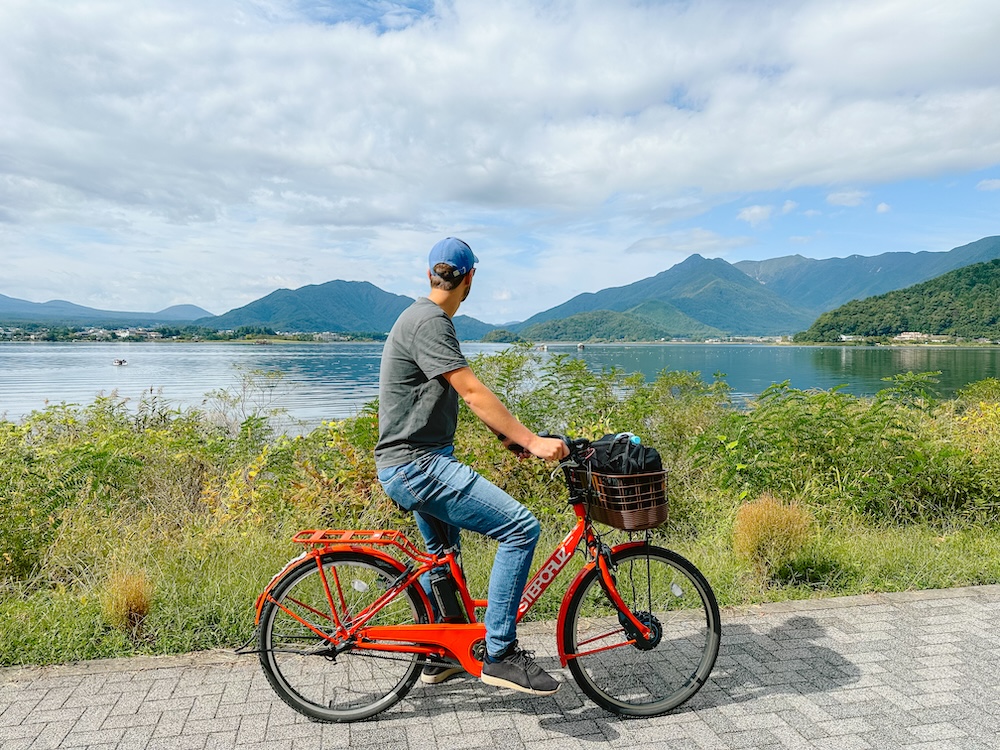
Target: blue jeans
{"points": [[438, 485]]}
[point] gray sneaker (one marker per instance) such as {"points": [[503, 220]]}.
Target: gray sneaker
{"points": [[434, 673], [517, 670]]}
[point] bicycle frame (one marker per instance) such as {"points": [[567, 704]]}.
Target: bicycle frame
{"points": [[459, 641]]}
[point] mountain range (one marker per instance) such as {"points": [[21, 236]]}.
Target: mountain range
{"points": [[757, 298], [821, 285], [60, 312], [698, 297]]}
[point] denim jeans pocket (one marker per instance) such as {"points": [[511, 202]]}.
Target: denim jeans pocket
{"points": [[400, 485]]}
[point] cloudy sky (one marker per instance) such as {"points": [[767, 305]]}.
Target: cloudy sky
{"points": [[184, 151]]}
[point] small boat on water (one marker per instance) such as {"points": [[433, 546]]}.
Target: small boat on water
{"points": [[120, 362]]}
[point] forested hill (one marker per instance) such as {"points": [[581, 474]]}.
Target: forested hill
{"points": [[710, 291], [963, 303], [650, 321], [334, 306], [337, 306]]}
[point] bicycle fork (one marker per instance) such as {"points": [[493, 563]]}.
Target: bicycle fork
{"points": [[639, 627]]}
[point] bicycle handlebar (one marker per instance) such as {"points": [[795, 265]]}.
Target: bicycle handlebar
{"points": [[576, 446]]}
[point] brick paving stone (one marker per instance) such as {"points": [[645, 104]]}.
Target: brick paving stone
{"points": [[17, 732], [52, 735], [190, 742], [843, 742], [128, 721], [88, 737], [170, 723], [18, 712]]}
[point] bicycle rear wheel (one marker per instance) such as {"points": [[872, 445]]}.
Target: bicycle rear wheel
{"points": [[674, 600], [311, 674]]}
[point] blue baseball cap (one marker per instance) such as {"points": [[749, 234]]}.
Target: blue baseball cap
{"points": [[456, 254]]}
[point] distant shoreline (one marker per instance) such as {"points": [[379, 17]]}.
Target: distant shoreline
{"points": [[532, 345], [155, 342]]}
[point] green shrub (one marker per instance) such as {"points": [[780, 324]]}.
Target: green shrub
{"points": [[879, 457]]}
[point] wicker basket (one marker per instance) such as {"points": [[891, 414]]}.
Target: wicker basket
{"points": [[633, 502]]}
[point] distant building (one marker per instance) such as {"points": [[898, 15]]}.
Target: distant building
{"points": [[918, 336]]}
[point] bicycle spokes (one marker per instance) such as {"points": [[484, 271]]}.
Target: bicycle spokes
{"points": [[311, 662], [624, 669]]}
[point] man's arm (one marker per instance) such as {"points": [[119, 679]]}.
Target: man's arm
{"points": [[494, 414]]}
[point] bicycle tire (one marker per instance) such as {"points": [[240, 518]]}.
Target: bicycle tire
{"points": [[669, 593], [351, 685]]}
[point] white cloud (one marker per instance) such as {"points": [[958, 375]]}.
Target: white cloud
{"points": [[682, 244], [754, 215], [883, 208], [200, 152], [847, 198], [988, 185]]}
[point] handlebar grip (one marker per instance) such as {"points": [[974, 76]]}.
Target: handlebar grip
{"points": [[574, 445], [547, 434]]}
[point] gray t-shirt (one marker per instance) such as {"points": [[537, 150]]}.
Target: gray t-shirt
{"points": [[417, 408]]}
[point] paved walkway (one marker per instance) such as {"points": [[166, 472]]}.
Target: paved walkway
{"points": [[914, 670]]}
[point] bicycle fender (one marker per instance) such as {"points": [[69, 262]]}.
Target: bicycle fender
{"points": [[560, 640], [262, 597]]}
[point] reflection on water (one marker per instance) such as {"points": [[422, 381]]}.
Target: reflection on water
{"points": [[863, 368], [749, 369], [328, 381]]}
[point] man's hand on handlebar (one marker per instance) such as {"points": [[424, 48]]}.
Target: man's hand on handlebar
{"points": [[549, 448], [545, 448]]}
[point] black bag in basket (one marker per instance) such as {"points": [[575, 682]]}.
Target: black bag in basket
{"points": [[618, 454]]}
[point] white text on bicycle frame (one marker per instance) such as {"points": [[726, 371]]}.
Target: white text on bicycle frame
{"points": [[543, 578]]}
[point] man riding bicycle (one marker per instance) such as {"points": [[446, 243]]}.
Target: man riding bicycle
{"points": [[423, 373]]}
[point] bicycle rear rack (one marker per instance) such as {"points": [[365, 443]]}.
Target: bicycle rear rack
{"points": [[321, 540]]}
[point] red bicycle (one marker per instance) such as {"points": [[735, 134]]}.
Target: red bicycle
{"points": [[345, 629]]}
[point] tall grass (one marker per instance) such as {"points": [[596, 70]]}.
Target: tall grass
{"points": [[140, 528]]}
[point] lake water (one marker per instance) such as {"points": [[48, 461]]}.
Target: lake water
{"points": [[329, 381]]}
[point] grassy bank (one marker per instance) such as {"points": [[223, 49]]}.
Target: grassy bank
{"points": [[139, 528]]}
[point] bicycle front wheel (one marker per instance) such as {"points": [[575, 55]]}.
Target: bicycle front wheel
{"points": [[330, 681], [671, 597]]}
